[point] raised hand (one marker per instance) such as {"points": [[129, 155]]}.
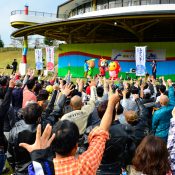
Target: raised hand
{"points": [[33, 72], [68, 89], [42, 141], [28, 72], [11, 83], [107, 118], [169, 82], [80, 85], [173, 112], [92, 83], [77, 80], [124, 93], [56, 87], [142, 86], [113, 99]]}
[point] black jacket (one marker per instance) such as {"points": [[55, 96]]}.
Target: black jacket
{"points": [[4, 107], [51, 115], [141, 127], [121, 146], [10, 119], [18, 157]]}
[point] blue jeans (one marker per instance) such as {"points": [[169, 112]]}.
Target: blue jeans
{"points": [[2, 160]]}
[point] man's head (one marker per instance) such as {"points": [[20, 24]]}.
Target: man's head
{"points": [[14, 59], [18, 84], [164, 100], [134, 90], [43, 95], [76, 102], [30, 84], [32, 113], [119, 110], [162, 88], [145, 86], [128, 94], [100, 91], [66, 138], [147, 93], [131, 117], [102, 109]]}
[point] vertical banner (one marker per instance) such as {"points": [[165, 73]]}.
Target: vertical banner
{"points": [[39, 59], [50, 58], [140, 57]]}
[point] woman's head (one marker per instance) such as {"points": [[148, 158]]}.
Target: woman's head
{"points": [[102, 109], [131, 117], [151, 157]]}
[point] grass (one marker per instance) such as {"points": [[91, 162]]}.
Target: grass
{"points": [[7, 57]]}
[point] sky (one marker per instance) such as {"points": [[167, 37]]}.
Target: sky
{"points": [[7, 6]]}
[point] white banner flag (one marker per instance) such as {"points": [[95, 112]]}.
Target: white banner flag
{"points": [[50, 58], [39, 59], [140, 56]]}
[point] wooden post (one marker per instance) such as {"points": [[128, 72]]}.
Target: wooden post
{"points": [[94, 5]]}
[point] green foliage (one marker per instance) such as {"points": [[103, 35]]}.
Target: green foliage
{"points": [[1, 43], [48, 41]]}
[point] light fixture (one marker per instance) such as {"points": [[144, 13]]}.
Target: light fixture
{"points": [[115, 23]]}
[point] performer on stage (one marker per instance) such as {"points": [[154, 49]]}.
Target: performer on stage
{"points": [[86, 68], [154, 68], [114, 69], [91, 65], [103, 66]]}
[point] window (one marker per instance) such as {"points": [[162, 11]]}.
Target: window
{"points": [[165, 1], [102, 4], [74, 12], [127, 3], [88, 7], [135, 2], [118, 3], [172, 1], [80, 9], [112, 4], [144, 2], [155, 2]]}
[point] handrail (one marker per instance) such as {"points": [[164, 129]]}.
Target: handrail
{"points": [[33, 13]]}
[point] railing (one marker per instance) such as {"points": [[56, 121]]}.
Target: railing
{"points": [[33, 13], [118, 3]]}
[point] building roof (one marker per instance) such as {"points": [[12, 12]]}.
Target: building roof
{"points": [[128, 24]]}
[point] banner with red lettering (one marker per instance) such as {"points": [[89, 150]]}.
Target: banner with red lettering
{"points": [[50, 58]]}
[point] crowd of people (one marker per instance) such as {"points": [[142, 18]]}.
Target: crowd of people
{"points": [[95, 126]]}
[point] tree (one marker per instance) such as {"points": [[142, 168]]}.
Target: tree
{"points": [[17, 42], [48, 41], [1, 43]]}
